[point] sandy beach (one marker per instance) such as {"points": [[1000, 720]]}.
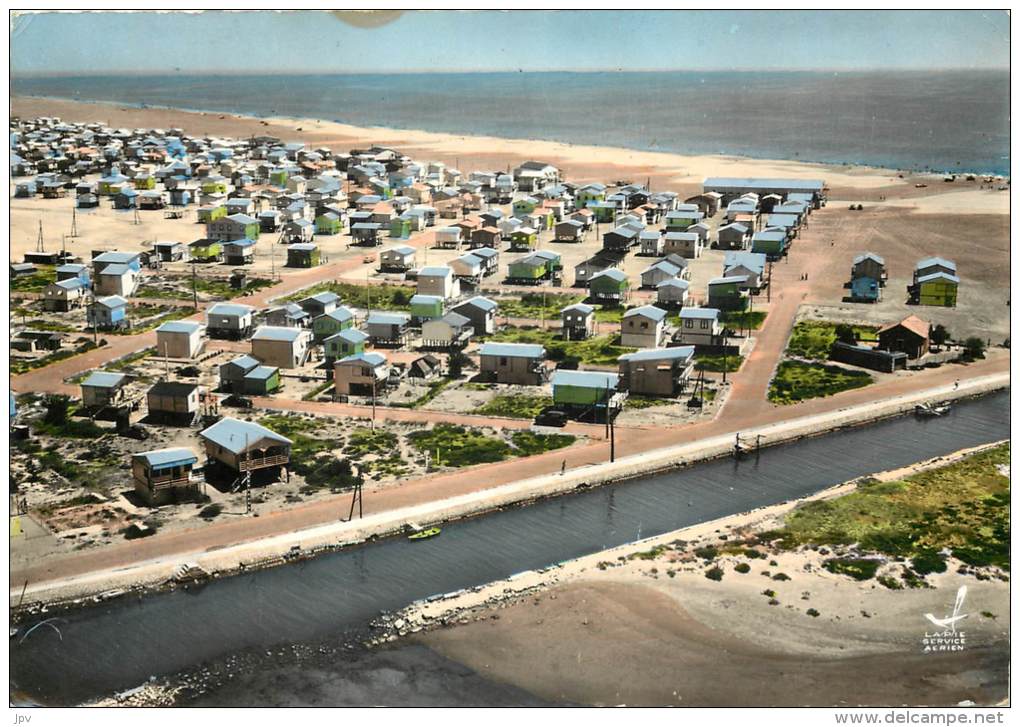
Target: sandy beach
{"points": [[578, 162], [641, 625]]}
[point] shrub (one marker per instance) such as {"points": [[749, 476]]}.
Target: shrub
{"points": [[708, 552], [928, 561], [813, 612], [974, 347], [860, 569], [211, 511], [742, 568], [780, 577], [890, 583], [715, 573]]}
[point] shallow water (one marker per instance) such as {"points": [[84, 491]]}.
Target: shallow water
{"points": [[120, 644], [943, 120]]}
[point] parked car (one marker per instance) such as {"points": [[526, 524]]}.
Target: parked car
{"points": [[551, 418]]}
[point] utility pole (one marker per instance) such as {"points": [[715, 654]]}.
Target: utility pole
{"points": [[356, 498], [373, 400], [194, 285], [74, 221], [39, 247], [769, 289], [725, 358]]}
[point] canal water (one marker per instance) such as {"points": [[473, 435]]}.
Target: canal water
{"points": [[120, 644]]}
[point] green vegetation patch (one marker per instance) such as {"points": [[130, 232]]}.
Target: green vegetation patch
{"points": [[595, 351], [376, 297], [528, 443], [514, 406], [537, 305], [455, 446], [129, 360], [814, 339], [59, 421], [796, 381], [364, 441], [743, 320], [34, 283], [645, 402], [963, 506], [216, 288], [610, 314], [718, 363], [860, 569]]}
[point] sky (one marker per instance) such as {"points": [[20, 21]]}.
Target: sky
{"points": [[429, 41]]}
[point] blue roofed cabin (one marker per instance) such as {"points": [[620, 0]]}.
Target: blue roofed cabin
{"points": [[164, 476], [513, 363], [108, 313], [103, 388], [229, 320], [283, 347], [234, 447], [657, 372]]}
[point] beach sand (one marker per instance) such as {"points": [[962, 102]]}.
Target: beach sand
{"points": [[641, 625], [579, 163]]}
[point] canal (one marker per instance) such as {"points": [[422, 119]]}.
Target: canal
{"points": [[118, 645]]}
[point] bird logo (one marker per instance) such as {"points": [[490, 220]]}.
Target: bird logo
{"points": [[949, 622]]}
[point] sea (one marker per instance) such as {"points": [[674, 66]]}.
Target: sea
{"points": [[944, 121]]}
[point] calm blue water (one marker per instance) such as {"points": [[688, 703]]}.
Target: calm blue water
{"points": [[950, 120], [120, 643]]}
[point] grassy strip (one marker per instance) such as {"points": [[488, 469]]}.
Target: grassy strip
{"points": [[645, 402], [963, 506], [129, 360], [514, 406], [314, 393], [743, 320], [528, 443], [797, 381], [718, 363]]}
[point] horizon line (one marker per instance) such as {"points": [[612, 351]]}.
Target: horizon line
{"points": [[15, 75]]}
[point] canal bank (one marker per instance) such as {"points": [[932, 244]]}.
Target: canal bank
{"points": [[164, 572], [119, 644]]}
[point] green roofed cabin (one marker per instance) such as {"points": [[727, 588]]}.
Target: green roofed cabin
{"points": [[523, 239], [400, 227], [206, 250], [771, 242], [609, 286], [261, 381], [328, 224], [303, 255], [327, 324], [586, 394], [211, 213], [347, 342], [426, 308]]}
